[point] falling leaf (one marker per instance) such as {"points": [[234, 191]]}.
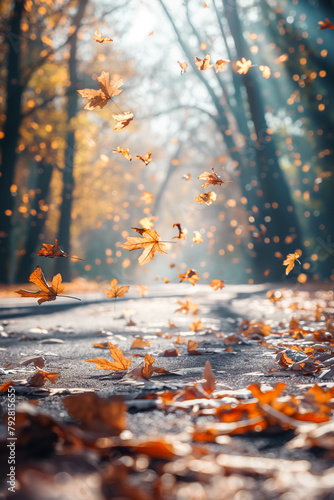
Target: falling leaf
{"points": [[182, 234], [150, 242], [142, 290], [192, 345], [51, 251], [326, 25], [140, 344], [145, 159], [207, 198], [114, 291], [203, 64], [290, 260], [220, 64], [184, 66], [124, 152], [151, 33], [98, 37], [46, 293], [243, 65], [99, 98], [211, 178], [266, 71], [217, 284], [190, 276], [147, 197], [123, 119], [120, 361], [39, 378], [196, 325], [197, 238], [186, 177], [187, 307]]}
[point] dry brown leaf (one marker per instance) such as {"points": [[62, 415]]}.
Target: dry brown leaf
{"points": [[99, 98], [190, 276], [51, 251], [182, 234], [145, 159], [39, 378], [114, 291], [211, 178], [170, 353], [243, 66], [206, 198], [192, 345], [140, 344], [120, 361], [46, 293], [98, 37], [203, 64], [124, 152], [217, 284], [290, 260], [150, 243], [327, 25], [220, 64], [184, 66], [123, 119], [210, 383]]}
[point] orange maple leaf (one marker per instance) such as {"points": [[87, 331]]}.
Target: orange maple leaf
{"points": [[145, 159], [99, 98], [190, 276], [147, 197], [182, 234], [123, 119], [207, 198], [98, 37], [114, 291], [243, 65], [150, 242], [184, 66], [220, 64], [217, 284], [326, 25], [265, 70], [211, 178], [124, 152], [196, 325], [290, 260], [54, 251], [203, 64], [120, 361], [38, 379], [46, 293], [197, 238]]}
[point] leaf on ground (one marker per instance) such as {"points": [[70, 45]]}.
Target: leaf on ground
{"points": [[290, 260], [98, 414], [180, 340], [207, 198], [217, 284], [145, 159], [192, 345], [124, 152], [171, 353], [39, 362], [101, 39], [52, 251], [99, 98], [38, 379], [203, 64], [190, 276], [46, 293], [120, 361], [115, 291], [150, 243], [4, 387], [140, 344], [210, 383], [123, 119]]}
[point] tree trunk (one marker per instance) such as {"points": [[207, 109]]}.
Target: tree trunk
{"points": [[63, 265], [35, 223], [10, 139]]}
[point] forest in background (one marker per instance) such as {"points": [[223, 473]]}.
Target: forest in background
{"points": [[273, 137]]}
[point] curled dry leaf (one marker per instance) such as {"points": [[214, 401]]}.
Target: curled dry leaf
{"points": [[220, 64], [184, 66], [190, 276], [290, 260], [120, 361], [192, 345], [207, 198], [124, 152], [101, 39], [140, 344], [51, 251], [38, 379], [197, 238], [203, 64], [99, 98], [150, 243], [243, 66], [327, 25], [217, 284], [114, 291], [182, 234], [147, 197], [211, 178], [145, 159], [123, 119], [170, 353]]}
